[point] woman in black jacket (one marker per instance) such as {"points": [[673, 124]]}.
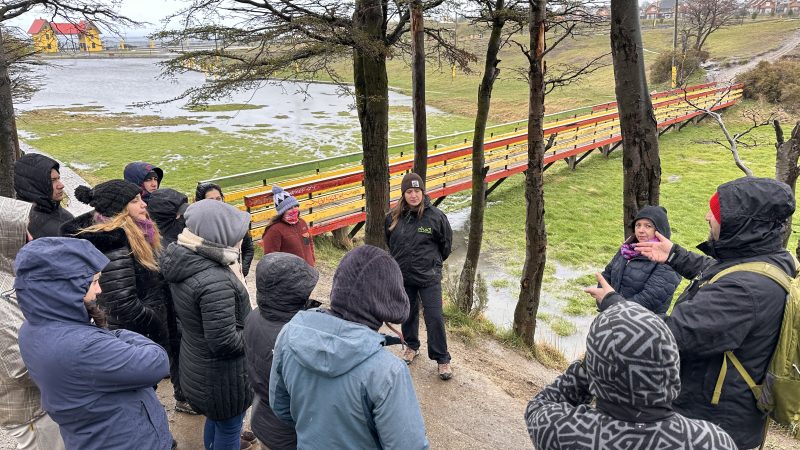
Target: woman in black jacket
{"points": [[212, 302], [214, 192], [634, 276], [133, 295], [283, 285], [419, 239]]}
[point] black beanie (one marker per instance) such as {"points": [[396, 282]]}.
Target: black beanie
{"points": [[368, 288], [109, 198], [411, 180]]}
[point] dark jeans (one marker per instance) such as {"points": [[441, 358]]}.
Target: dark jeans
{"points": [[431, 297], [223, 434]]}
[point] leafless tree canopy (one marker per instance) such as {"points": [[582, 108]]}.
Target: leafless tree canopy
{"points": [[256, 40], [703, 17]]}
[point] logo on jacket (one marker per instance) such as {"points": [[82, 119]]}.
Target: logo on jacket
{"points": [[426, 230]]}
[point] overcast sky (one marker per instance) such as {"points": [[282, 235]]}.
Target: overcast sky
{"points": [[140, 10]]}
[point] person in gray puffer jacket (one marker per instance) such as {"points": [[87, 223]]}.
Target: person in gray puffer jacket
{"points": [[633, 275], [631, 370], [331, 377], [284, 283], [212, 302]]}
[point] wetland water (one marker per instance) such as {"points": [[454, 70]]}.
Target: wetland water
{"points": [[323, 123]]}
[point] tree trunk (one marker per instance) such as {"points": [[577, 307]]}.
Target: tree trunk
{"points": [[9, 147], [418, 90], [786, 169], [372, 102], [535, 232], [466, 283], [640, 160]]}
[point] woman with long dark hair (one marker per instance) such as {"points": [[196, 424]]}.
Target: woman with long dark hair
{"points": [[419, 239]]}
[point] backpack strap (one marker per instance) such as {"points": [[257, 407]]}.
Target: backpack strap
{"points": [[775, 274]]}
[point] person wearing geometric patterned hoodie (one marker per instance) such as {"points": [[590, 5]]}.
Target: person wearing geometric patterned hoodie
{"points": [[21, 413], [631, 370]]}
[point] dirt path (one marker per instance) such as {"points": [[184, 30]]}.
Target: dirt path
{"points": [[729, 73]]}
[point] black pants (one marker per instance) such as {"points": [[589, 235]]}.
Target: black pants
{"points": [[431, 297]]}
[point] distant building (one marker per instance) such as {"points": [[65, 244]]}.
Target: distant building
{"points": [[50, 37], [663, 9]]}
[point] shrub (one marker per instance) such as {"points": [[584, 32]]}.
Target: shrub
{"points": [[687, 64], [754, 15], [776, 82]]}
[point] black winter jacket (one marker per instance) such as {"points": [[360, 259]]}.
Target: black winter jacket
{"points": [[32, 184], [134, 297], [741, 312], [420, 245], [163, 207], [211, 304], [284, 283], [642, 281]]}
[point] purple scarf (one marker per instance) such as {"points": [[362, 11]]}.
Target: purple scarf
{"points": [[629, 251], [148, 229]]}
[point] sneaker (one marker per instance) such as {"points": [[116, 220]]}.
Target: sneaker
{"points": [[245, 445], [248, 436], [174, 445], [184, 407], [409, 354], [444, 371]]}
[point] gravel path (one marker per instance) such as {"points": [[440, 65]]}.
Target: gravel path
{"points": [[729, 73]]}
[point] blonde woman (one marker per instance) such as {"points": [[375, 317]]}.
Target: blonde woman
{"points": [[133, 295]]}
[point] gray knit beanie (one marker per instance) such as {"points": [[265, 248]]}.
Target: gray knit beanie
{"points": [[217, 222], [283, 200], [368, 288]]}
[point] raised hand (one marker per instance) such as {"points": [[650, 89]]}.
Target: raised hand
{"points": [[599, 293], [655, 251]]}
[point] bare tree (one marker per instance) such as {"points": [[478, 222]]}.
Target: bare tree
{"points": [[704, 17], [638, 126], [101, 12], [786, 167], [275, 41], [494, 14], [564, 19], [419, 115]]}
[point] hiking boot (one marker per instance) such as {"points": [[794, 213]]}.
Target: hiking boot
{"points": [[444, 371], [183, 406], [245, 445], [409, 354]]}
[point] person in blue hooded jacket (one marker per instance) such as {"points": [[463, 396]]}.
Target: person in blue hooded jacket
{"points": [[95, 383], [331, 377], [145, 175]]}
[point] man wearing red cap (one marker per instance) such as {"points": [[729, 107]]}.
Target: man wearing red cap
{"points": [[739, 311]]}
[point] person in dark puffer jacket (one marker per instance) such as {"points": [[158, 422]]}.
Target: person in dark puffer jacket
{"points": [[145, 175], [419, 239], [631, 372], [37, 180], [134, 296], [214, 192], [633, 275], [742, 312], [283, 285], [212, 302]]}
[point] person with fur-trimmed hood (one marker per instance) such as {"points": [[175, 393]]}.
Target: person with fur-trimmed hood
{"points": [[119, 226], [145, 175], [37, 180], [21, 412], [212, 302], [331, 377], [621, 394], [636, 277]]}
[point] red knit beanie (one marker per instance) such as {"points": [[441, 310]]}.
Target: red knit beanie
{"points": [[713, 203]]}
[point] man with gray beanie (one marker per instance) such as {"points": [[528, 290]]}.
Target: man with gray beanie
{"points": [[330, 376]]}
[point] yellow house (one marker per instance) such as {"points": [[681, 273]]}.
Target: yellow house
{"points": [[46, 36], [44, 40]]}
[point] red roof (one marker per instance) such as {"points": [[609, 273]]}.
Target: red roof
{"points": [[60, 28], [36, 26]]}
